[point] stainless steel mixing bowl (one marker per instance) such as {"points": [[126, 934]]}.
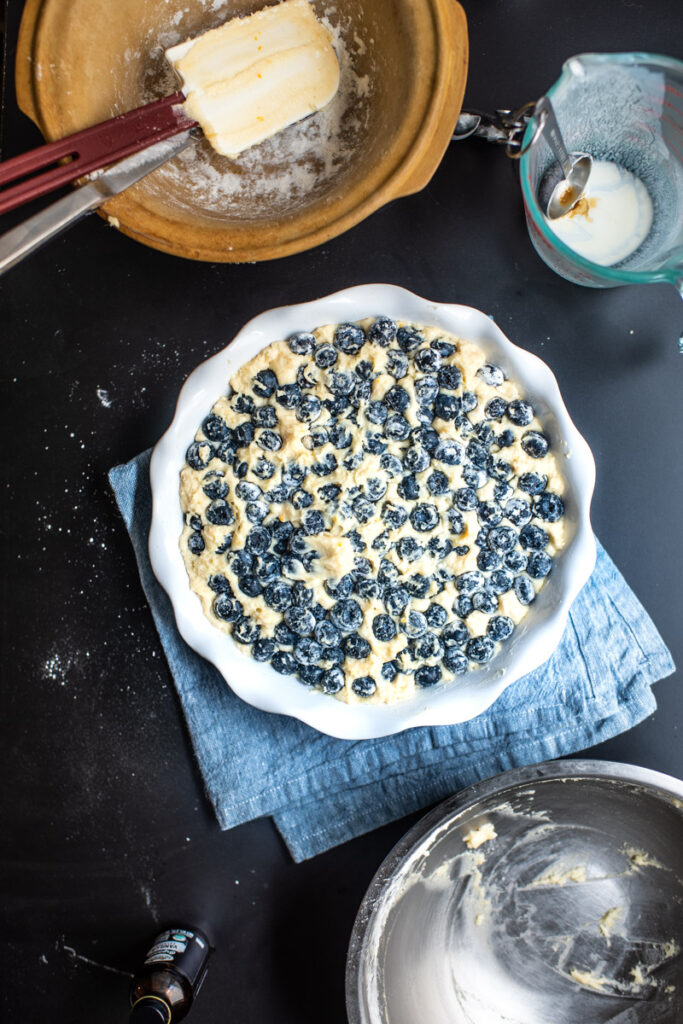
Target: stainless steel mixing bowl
{"points": [[547, 895]]}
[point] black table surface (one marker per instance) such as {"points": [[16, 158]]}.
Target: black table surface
{"points": [[106, 830]]}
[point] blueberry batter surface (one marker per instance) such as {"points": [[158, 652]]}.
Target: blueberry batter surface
{"points": [[372, 508]]}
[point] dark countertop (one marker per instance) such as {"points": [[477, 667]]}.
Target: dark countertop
{"points": [[106, 829]]}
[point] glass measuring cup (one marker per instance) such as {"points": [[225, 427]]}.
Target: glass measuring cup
{"points": [[626, 108]]}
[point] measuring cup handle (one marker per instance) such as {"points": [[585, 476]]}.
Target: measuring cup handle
{"points": [[545, 115]]}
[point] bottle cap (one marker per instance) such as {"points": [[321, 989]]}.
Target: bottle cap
{"points": [[150, 1010]]}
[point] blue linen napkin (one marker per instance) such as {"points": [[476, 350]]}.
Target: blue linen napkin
{"points": [[322, 791]]}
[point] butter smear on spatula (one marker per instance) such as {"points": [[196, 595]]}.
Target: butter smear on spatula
{"points": [[254, 76]]}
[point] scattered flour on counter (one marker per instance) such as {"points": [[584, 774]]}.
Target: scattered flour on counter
{"points": [[104, 398]]}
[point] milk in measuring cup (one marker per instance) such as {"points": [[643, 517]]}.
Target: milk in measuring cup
{"points": [[611, 220]]}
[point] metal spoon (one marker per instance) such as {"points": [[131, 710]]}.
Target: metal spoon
{"points": [[576, 168]]}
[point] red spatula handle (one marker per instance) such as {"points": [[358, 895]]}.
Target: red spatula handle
{"points": [[89, 150]]}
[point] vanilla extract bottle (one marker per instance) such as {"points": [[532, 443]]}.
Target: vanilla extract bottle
{"points": [[165, 987]]}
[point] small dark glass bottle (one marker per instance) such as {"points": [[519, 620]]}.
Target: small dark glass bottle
{"points": [[164, 988]]}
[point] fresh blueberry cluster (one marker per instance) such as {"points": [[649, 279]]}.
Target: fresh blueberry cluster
{"points": [[415, 473]]}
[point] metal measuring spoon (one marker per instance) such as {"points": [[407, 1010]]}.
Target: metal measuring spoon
{"points": [[576, 168]]}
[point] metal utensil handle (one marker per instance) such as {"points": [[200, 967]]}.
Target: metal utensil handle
{"points": [[30, 235], [545, 116]]}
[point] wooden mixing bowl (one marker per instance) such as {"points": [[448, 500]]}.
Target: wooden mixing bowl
{"points": [[403, 71]]}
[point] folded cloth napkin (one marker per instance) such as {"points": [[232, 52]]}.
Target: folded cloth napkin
{"points": [[323, 791]]}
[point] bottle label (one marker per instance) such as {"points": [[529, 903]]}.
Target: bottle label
{"points": [[185, 950]]}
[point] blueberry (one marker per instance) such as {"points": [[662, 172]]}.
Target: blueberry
{"points": [[416, 459], [302, 380], [397, 428], [446, 406], [520, 412], [382, 331], [373, 444], [409, 488], [216, 429], [310, 675], [535, 444], [263, 649], [384, 628], [409, 549], [498, 469], [215, 489], [443, 347], [474, 477], [266, 383], [418, 586], [247, 491], [256, 511], [436, 616], [278, 595], [424, 414], [469, 401], [495, 409], [195, 543], [302, 343], [300, 620], [390, 670], [437, 482], [548, 506], [227, 608], [532, 483], [337, 405], [264, 416], [456, 522], [243, 562], [489, 513], [467, 582], [340, 436], [428, 438], [539, 565], [500, 581], [325, 356], [199, 455], [450, 378], [488, 560], [428, 360], [414, 624], [313, 522], [491, 375], [219, 513], [518, 511], [244, 403], [352, 462], [364, 686], [347, 615], [263, 468], [388, 572], [427, 646], [448, 452], [484, 601], [246, 631], [502, 491], [363, 509], [301, 499], [355, 646], [396, 599], [368, 589], [524, 590], [332, 680], [361, 392], [480, 649], [340, 383], [408, 338], [397, 364], [349, 338], [376, 488], [532, 537], [391, 464], [307, 651], [505, 439], [428, 675], [426, 389], [308, 409], [327, 634], [269, 568], [424, 517], [258, 540], [334, 656], [355, 540], [326, 465], [329, 492], [284, 662], [455, 661], [462, 549], [288, 397], [501, 539], [376, 412], [455, 634], [500, 627], [516, 560], [250, 586], [284, 635], [298, 544], [466, 498], [269, 440]]}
